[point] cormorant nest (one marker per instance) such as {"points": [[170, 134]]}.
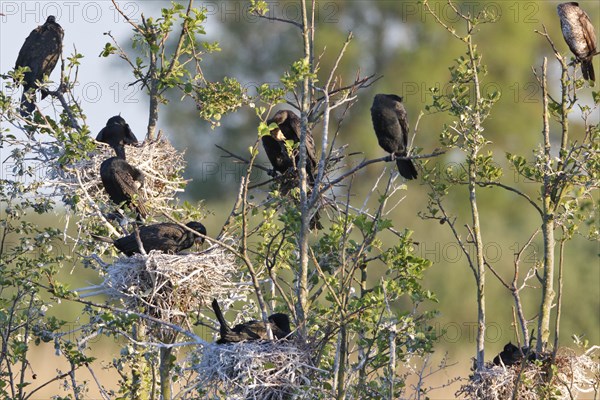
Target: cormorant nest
{"points": [[572, 376], [167, 286], [273, 370], [81, 188]]}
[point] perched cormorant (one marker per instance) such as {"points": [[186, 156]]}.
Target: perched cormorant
{"points": [[166, 237], [121, 180], [579, 34], [251, 330], [40, 53], [391, 127], [277, 154], [289, 129], [116, 133]]}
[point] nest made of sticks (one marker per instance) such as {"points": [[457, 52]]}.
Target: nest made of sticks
{"points": [[160, 162], [273, 370], [169, 286], [574, 375]]}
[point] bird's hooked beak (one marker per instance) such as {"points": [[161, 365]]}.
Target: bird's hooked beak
{"points": [[278, 135]]}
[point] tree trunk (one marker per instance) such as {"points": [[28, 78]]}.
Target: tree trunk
{"points": [[302, 276], [548, 224], [165, 372]]}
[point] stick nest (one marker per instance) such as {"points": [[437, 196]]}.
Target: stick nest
{"points": [[273, 370], [574, 375], [170, 286], [160, 162]]}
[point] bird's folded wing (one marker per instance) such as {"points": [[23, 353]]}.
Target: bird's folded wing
{"points": [[588, 33]]}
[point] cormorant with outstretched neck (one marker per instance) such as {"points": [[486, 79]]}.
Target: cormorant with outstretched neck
{"points": [[391, 127], [167, 237], [578, 31], [251, 330], [40, 53], [121, 180]]}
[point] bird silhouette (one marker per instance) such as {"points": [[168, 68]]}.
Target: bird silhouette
{"points": [[116, 133], [167, 237], [289, 129], [40, 53], [512, 355], [121, 180], [251, 330], [391, 127]]}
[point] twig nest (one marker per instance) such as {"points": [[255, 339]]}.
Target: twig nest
{"points": [[170, 286], [81, 188], [573, 376], [273, 370]]}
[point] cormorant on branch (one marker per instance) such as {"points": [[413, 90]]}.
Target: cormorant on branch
{"points": [[166, 237], [252, 330], [391, 127], [289, 129], [578, 31], [40, 53], [277, 154]]}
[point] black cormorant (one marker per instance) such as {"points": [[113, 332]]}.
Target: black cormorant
{"points": [[289, 129], [121, 180], [252, 330], [40, 53], [166, 237], [116, 133], [391, 127]]}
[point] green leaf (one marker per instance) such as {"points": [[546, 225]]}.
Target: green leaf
{"points": [[108, 50]]}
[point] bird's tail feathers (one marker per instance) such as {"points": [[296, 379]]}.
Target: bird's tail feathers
{"points": [[27, 107], [587, 68], [406, 168]]}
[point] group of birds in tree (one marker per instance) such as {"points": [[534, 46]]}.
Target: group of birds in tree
{"points": [[123, 182]]}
